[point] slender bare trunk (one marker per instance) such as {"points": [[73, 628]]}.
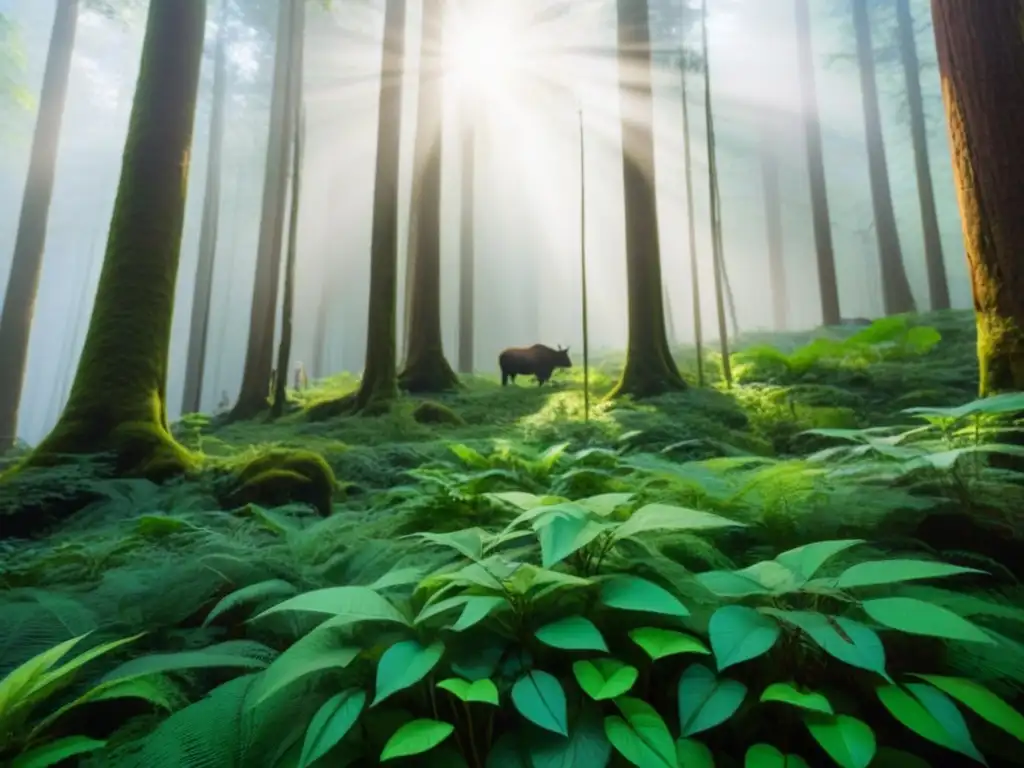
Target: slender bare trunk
{"points": [[691, 226], [773, 219]]}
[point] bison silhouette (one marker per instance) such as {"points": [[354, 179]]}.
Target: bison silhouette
{"points": [[539, 361]]}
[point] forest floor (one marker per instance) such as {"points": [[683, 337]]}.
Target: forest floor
{"points": [[799, 449]]}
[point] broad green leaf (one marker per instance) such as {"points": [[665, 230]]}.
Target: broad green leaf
{"points": [[573, 633], [489, 573], [329, 725], [659, 643], [483, 691], [739, 633], [231, 653], [706, 700], [694, 754], [847, 740], [732, 584], [849, 641], [468, 542], [538, 516], [788, 693], [144, 688], [415, 738], [400, 577], [604, 678], [586, 747], [640, 735], [478, 608], [896, 571], [524, 501], [981, 701], [605, 503], [263, 590], [917, 617], [538, 696], [348, 604], [933, 718], [562, 535], [56, 751], [665, 517], [767, 756], [631, 593], [430, 610], [319, 650], [807, 559], [405, 664], [49, 682]]}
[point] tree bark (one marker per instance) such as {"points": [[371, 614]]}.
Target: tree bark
{"points": [[691, 226], [426, 368], [773, 219], [379, 385], [195, 362], [259, 354], [118, 402], [27, 261], [981, 60], [827, 285], [938, 285], [650, 369], [284, 350], [467, 238], [896, 294]]}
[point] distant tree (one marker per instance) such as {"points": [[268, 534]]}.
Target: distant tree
{"points": [[259, 355], [981, 60], [30, 242], [828, 288], [379, 385], [118, 402], [202, 291], [467, 234], [896, 294], [769, 148], [649, 369], [426, 368]]}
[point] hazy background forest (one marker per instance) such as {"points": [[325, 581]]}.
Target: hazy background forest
{"points": [[527, 193]]}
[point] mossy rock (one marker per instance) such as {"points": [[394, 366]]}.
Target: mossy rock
{"points": [[283, 477], [430, 412]]}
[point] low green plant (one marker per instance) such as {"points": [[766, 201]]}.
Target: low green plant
{"points": [[536, 646]]}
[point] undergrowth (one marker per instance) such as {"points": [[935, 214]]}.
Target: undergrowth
{"points": [[716, 577]]}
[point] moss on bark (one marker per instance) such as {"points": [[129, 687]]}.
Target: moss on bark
{"points": [[426, 367], [981, 60], [650, 369], [117, 403], [282, 477]]}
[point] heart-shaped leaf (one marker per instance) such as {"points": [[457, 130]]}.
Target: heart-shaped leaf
{"points": [[847, 740], [540, 699], [739, 633], [415, 738], [604, 678], [706, 700], [659, 643], [788, 693], [640, 735], [405, 664], [483, 691], [573, 633], [329, 725], [631, 593]]}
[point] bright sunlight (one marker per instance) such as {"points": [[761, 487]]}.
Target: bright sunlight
{"points": [[482, 49]]}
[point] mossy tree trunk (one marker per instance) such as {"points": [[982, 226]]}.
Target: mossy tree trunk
{"points": [[379, 385], [896, 294], [259, 354], [467, 235], [649, 369], [828, 287], [27, 260], [426, 368], [938, 284], [202, 292], [770, 135], [117, 403], [981, 61]]}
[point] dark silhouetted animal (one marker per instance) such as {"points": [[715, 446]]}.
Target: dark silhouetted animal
{"points": [[539, 361]]}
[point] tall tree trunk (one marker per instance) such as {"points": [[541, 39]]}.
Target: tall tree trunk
{"points": [[319, 362], [938, 285], [426, 368], [259, 354], [27, 260], [981, 60], [195, 362], [467, 237], [649, 369], [379, 384], [773, 218], [691, 226], [284, 350], [827, 285], [896, 294], [118, 402]]}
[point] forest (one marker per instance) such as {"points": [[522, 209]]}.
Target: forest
{"points": [[511, 383]]}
